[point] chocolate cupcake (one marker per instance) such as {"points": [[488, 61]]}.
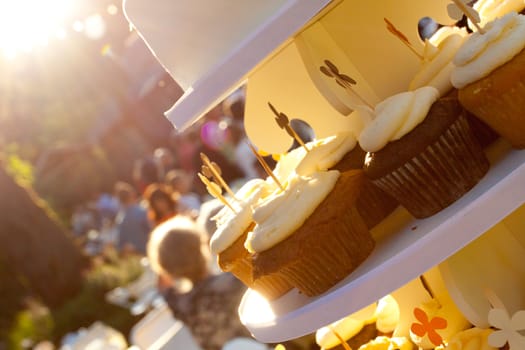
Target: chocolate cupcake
{"points": [[422, 151], [341, 152], [313, 234], [436, 68]]}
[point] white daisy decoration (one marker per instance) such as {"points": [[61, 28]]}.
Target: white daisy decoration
{"points": [[508, 329]]}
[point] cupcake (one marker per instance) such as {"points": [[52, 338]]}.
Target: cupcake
{"points": [[228, 241], [436, 65], [338, 152], [490, 76], [470, 339], [355, 330], [311, 233], [421, 151], [442, 315], [489, 10], [360, 327], [436, 68], [387, 343]]}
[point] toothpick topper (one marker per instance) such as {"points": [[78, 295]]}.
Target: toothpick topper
{"points": [[284, 123], [460, 7], [427, 326], [332, 71], [214, 171], [344, 81], [509, 328], [265, 166], [214, 190], [399, 34], [340, 338]]}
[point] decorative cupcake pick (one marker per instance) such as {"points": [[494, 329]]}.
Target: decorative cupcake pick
{"points": [[460, 7], [341, 340], [428, 326], [212, 171], [215, 190], [284, 123], [509, 329], [265, 166], [399, 34], [344, 81]]}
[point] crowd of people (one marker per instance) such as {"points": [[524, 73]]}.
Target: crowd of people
{"points": [[165, 214]]}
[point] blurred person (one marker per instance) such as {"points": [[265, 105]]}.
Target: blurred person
{"points": [[180, 183], [83, 220], [165, 161], [184, 145], [161, 205], [132, 224], [108, 206], [178, 250], [244, 156], [230, 171], [145, 172]]}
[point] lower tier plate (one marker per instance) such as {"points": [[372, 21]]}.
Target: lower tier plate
{"points": [[405, 249]]}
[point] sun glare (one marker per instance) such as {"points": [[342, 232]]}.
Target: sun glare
{"points": [[26, 24]]}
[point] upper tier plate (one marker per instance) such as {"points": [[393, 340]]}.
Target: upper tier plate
{"points": [[406, 248]]}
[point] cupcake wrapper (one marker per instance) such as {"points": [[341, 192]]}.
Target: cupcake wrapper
{"points": [[334, 257], [374, 204], [270, 286], [439, 175], [499, 100]]}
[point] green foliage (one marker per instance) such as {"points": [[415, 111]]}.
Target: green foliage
{"points": [[90, 305], [12, 290], [32, 325], [20, 169]]}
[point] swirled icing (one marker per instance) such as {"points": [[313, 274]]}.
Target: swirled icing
{"points": [[489, 10], [396, 116], [436, 65], [326, 153], [323, 154], [387, 314], [346, 327], [280, 214], [231, 225], [470, 339], [482, 53], [387, 343]]}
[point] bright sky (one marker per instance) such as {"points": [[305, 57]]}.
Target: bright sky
{"points": [[27, 24]]}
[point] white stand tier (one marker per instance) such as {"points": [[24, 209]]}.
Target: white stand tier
{"points": [[406, 248]]}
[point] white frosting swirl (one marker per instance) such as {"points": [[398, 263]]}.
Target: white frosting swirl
{"points": [[387, 343], [279, 215], [346, 327], [436, 65], [489, 10], [230, 225], [483, 53], [470, 339], [397, 116], [326, 153], [387, 314]]}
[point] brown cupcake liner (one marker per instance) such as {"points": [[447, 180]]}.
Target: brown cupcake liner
{"points": [[374, 204], [499, 100], [238, 261], [341, 249], [441, 174]]}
